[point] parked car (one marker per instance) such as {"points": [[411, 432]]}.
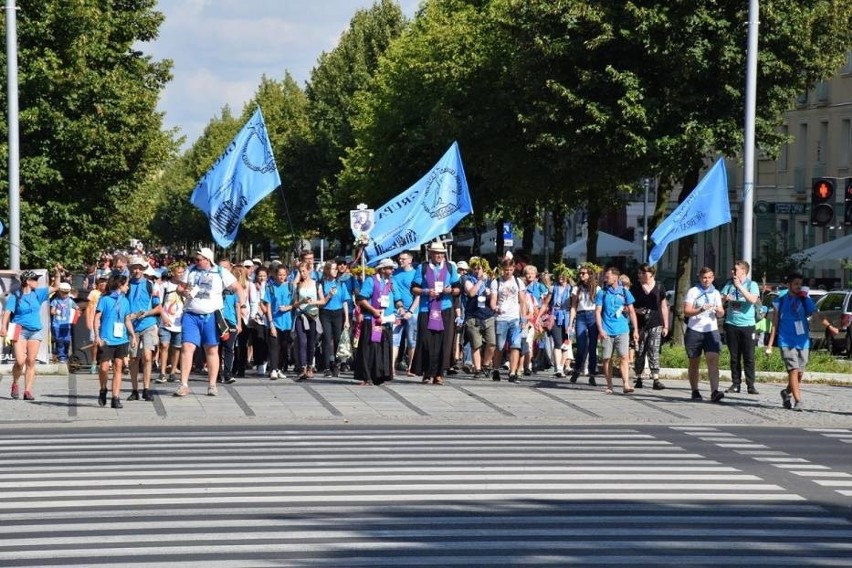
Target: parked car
{"points": [[835, 305]]}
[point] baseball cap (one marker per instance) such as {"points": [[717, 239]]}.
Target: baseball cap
{"points": [[206, 253]]}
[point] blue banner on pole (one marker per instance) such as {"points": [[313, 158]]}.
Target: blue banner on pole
{"points": [[705, 208], [237, 181], [426, 210]]}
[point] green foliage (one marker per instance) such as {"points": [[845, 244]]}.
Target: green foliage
{"points": [[674, 357], [90, 133]]}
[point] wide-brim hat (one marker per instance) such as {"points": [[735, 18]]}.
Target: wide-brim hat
{"points": [[437, 247], [136, 261], [384, 263]]}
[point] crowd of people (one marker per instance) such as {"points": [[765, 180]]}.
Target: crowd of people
{"points": [[429, 320]]}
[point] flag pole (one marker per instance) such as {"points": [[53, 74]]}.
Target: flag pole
{"points": [[14, 140], [748, 151]]}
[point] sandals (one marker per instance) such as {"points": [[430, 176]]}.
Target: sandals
{"points": [[437, 381], [607, 390], [628, 391]]}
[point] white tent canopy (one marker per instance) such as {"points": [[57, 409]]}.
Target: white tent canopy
{"points": [[488, 242], [838, 249], [608, 245]]}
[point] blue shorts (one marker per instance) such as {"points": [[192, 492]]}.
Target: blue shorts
{"points": [[199, 329], [407, 327], [172, 338], [31, 335], [508, 331], [697, 341]]}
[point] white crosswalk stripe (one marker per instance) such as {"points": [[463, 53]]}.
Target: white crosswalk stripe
{"points": [[397, 497]]}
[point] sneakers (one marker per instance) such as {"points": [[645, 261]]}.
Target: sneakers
{"points": [[658, 386], [495, 375], [93, 369], [637, 384], [28, 395], [147, 395], [696, 395], [786, 400], [513, 378], [274, 375], [212, 390], [161, 379], [592, 382], [798, 407], [717, 396], [735, 389], [478, 374], [559, 375], [102, 397], [574, 376], [527, 372], [173, 378], [752, 390], [133, 395], [116, 403], [261, 369], [15, 392], [182, 390], [229, 380]]}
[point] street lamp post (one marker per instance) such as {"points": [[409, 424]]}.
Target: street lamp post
{"points": [[647, 183]]}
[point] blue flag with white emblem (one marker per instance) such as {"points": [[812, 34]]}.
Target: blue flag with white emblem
{"points": [[237, 181], [703, 209], [426, 210]]}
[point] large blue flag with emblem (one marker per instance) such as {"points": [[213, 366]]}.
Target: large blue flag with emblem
{"points": [[237, 181], [703, 209], [424, 211]]}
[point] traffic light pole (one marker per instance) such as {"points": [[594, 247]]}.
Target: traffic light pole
{"points": [[748, 151], [14, 148]]}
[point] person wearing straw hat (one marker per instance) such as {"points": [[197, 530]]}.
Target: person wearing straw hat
{"points": [[373, 358], [436, 282]]}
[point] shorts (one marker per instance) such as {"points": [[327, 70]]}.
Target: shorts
{"points": [[697, 341], [620, 343], [508, 331], [479, 332], [146, 340], [108, 353], [168, 337], [407, 327], [199, 329], [794, 358], [32, 335]]}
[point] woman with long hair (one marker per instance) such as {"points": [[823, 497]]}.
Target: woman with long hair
{"points": [[583, 313], [23, 309], [334, 316], [307, 302], [114, 334]]}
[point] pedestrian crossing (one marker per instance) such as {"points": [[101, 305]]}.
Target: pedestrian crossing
{"points": [[396, 496]]}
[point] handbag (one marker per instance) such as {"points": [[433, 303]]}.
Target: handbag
{"points": [[223, 329]]}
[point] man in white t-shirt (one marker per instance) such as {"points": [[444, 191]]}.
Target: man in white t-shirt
{"points": [[507, 302], [202, 288], [703, 305]]}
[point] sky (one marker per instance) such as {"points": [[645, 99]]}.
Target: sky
{"points": [[221, 49]]}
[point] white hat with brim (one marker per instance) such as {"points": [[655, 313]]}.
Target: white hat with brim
{"points": [[462, 265], [151, 272], [385, 263], [136, 261], [64, 287], [206, 253], [437, 247]]}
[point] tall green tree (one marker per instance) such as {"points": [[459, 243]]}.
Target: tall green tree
{"points": [[90, 133]]}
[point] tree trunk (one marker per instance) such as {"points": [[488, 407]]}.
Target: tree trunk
{"points": [[558, 233], [592, 217]]}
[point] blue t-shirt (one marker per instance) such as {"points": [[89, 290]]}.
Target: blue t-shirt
{"points": [[113, 309], [402, 287], [419, 281], [278, 295], [366, 293], [142, 300], [538, 291], [26, 309], [341, 294], [614, 302], [792, 309], [739, 312], [64, 308]]}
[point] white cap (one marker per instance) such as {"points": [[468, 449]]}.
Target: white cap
{"points": [[206, 253], [64, 287]]}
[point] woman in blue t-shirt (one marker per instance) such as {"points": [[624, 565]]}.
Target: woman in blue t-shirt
{"points": [[23, 310], [334, 316]]}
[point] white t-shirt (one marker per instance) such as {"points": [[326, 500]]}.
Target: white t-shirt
{"points": [[172, 303], [508, 308], [206, 287], [706, 320], [585, 300]]}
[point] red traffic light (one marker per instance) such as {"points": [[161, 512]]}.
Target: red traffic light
{"points": [[824, 190], [822, 201]]}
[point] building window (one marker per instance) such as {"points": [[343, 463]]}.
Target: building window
{"points": [[845, 143], [822, 144]]}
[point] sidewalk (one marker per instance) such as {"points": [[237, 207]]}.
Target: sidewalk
{"points": [[72, 400]]}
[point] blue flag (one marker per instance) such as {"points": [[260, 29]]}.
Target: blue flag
{"points": [[703, 209], [427, 209], [237, 181]]}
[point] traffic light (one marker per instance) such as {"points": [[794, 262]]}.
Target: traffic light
{"points": [[847, 203], [822, 201]]}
